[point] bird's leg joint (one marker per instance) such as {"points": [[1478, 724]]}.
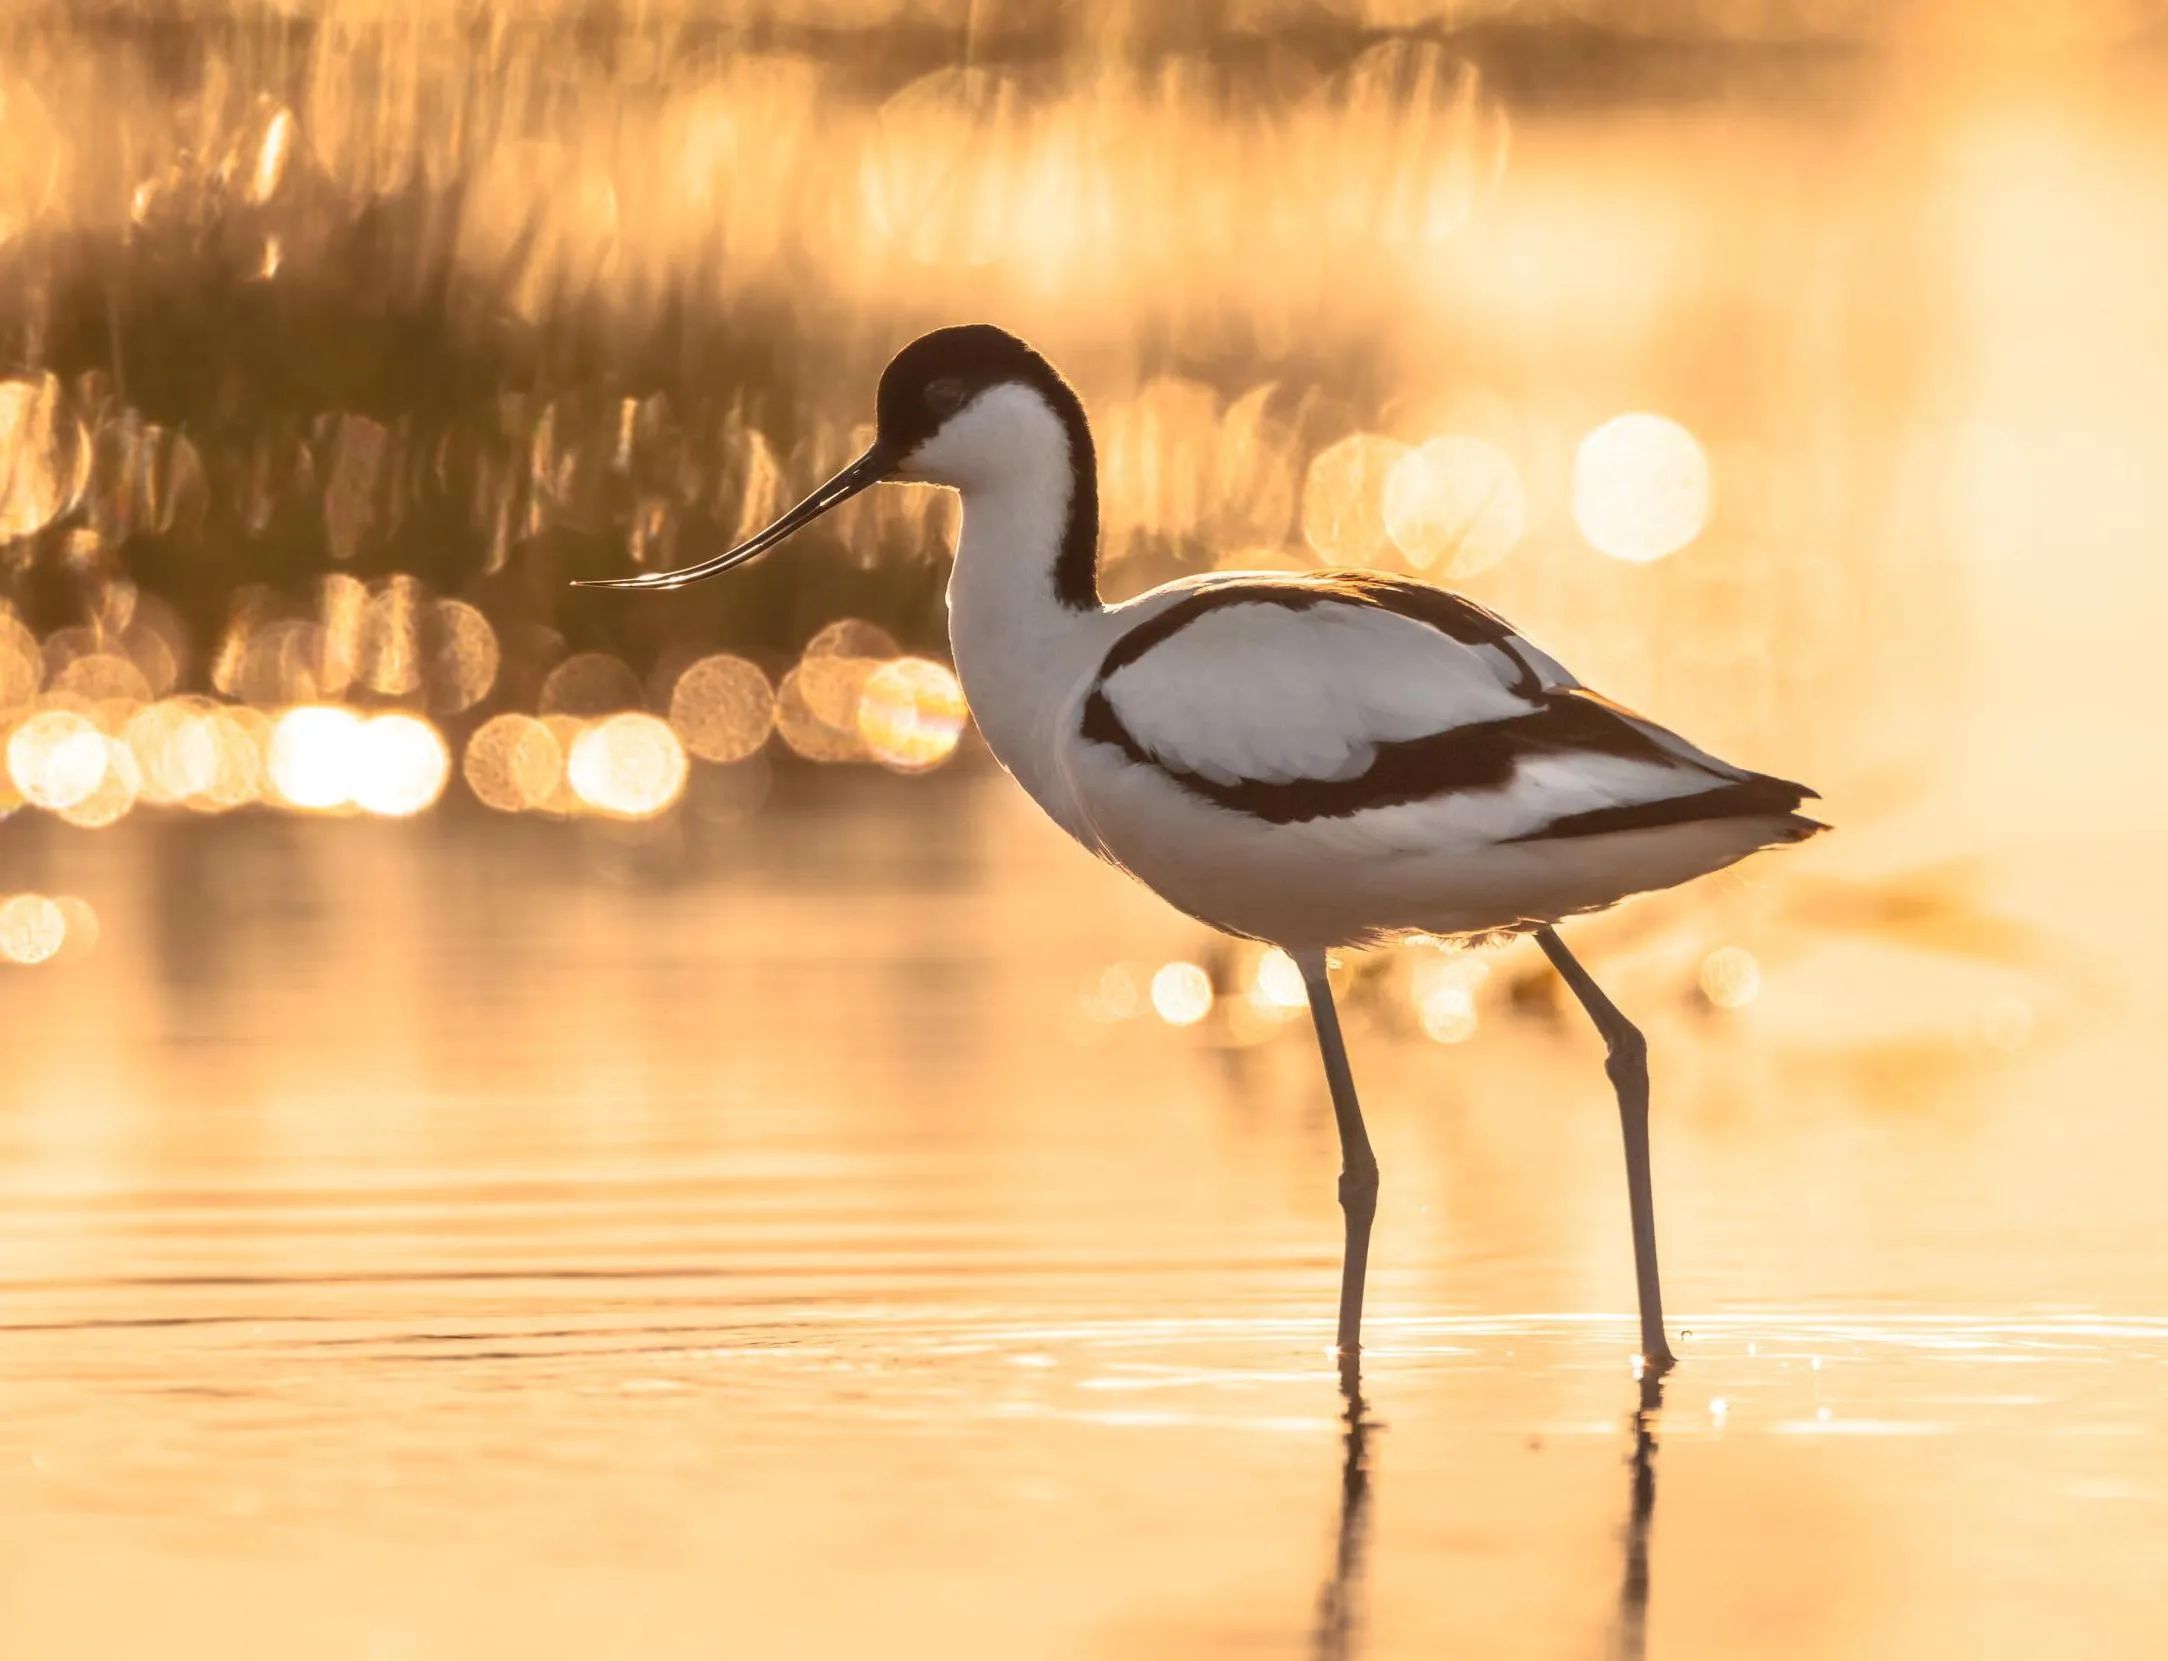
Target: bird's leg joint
{"points": [[1626, 1053], [1359, 1187]]}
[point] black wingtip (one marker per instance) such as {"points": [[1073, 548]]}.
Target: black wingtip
{"points": [[1755, 797]]}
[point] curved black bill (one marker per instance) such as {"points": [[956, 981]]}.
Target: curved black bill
{"points": [[869, 469]]}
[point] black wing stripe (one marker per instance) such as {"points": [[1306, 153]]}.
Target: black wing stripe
{"points": [[1478, 756], [1201, 602], [1449, 614], [1753, 798], [1452, 616]]}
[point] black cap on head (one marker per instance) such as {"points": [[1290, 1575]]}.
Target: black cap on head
{"points": [[938, 373], [924, 384]]}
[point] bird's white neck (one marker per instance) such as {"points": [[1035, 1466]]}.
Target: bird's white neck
{"points": [[1021, 638]]}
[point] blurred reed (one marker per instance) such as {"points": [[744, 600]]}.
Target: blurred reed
{"points": [[337, 340]]}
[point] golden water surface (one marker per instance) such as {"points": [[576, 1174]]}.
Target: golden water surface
{"points": [[862, 1225]]}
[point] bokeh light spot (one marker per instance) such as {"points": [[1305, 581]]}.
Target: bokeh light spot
{"points": [[911, 714], [241, 740], [630, 766], [175, 750], [57, 758], [102, 675], [813, 688], [852, 637], [1730, 977], [513, 763], [313, 755], [723, 708], [116, 792], [1181, 993], [463, 657], [1443, 989], [1455, 506], [401, 764], [32, 928], [1448, 1014], [1343, 500], [1276, 984], [1640, 488], [1112, 994], [389, 659], [589, 685]]}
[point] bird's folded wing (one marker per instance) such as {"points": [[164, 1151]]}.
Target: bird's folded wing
{"points": [[1353, 696], [1270, 692]]}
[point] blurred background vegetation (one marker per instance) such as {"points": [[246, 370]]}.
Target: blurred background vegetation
{"points": [[338, 338]]}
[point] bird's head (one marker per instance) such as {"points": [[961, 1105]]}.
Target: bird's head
{"points": [[964, 406]]}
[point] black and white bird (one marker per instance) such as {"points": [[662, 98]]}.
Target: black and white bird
{"points": [[1317, 760]]}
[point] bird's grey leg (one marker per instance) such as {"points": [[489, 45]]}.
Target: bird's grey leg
{"points": [[1627, 1062], [1358, 1165]]}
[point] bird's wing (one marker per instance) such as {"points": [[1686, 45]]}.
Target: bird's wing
{"points": [[1330, 696]]}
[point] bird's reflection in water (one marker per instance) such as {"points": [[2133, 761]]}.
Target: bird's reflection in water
{"points": [[1336, 1625], [1336, 1621], [1631, 1635]]}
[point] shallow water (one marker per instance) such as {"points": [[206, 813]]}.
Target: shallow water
{"points": [[448, 1252], [481, 1237]]}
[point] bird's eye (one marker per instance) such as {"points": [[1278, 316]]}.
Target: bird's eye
{"points": [[945, 396]]}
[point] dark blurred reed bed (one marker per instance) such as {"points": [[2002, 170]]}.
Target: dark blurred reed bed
{"points": [[495, 296]]}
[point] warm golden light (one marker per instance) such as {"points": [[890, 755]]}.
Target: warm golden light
{"points": [[32, 928], [312, 757], [1112, 995], [241, 741], [938, 173], [851, 637], [271, 156], [513, 763], [176, 750], [57, 758], [1443, 988], [723, 708], [118, 786], [1448, 1014], [389, 655], [1455, 506], [41, 456], [1181, 993], [911, 714], [1730, 978], [630, 766], [1343, 500], [806, 697], [1423, 143], [2006, 1023], [1640, 488], [22, 664], [81, 925], [463, 658], [401, 764], [99, 676], [1276, 984], [588, 685]]}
